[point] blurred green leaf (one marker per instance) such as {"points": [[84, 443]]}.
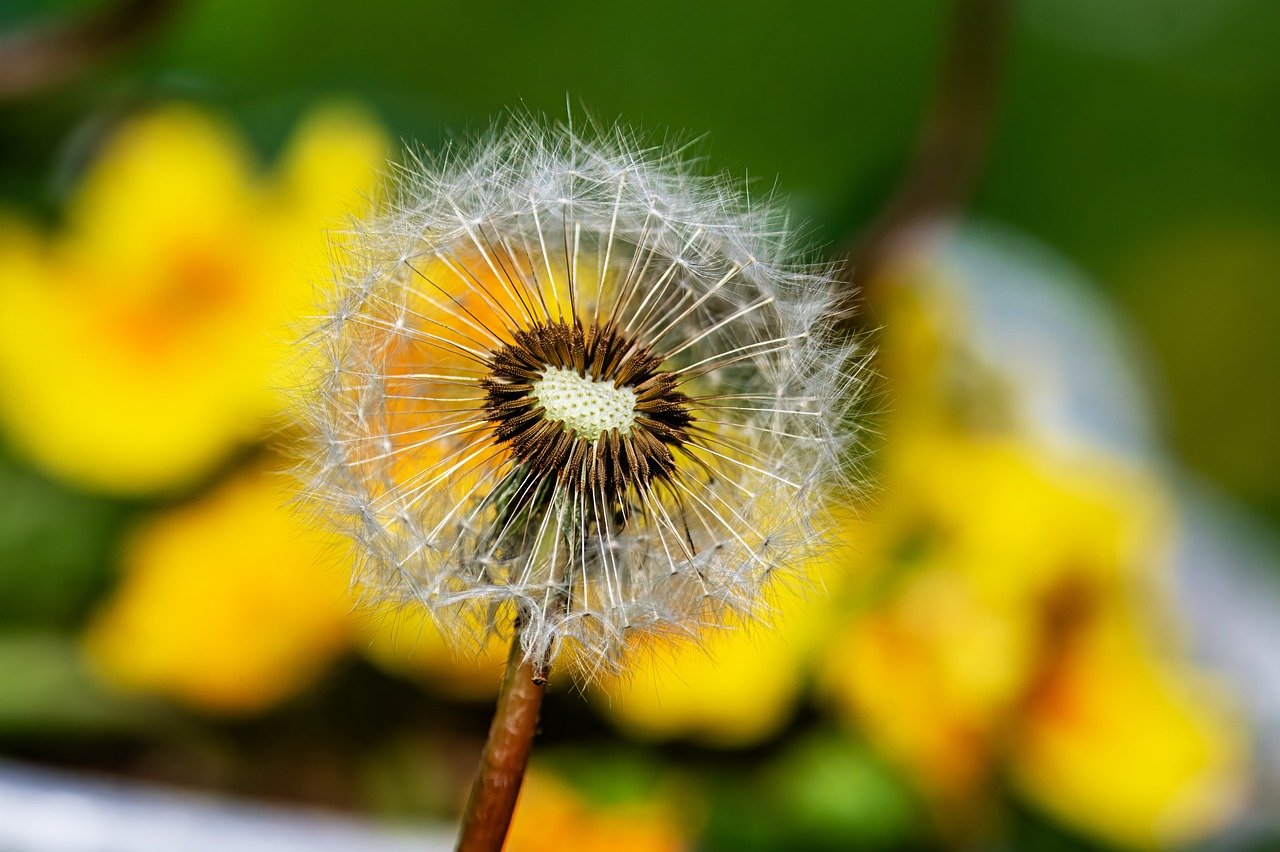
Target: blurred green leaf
{"points": [[55, 548], [610, 776], [826, 792], [411, 777], [834, 792], [740, 822], [45, 689]]}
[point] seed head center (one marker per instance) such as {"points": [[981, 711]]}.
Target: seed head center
{"points": [[587, 406]]}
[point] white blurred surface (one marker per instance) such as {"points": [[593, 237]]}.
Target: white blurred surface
{"points": [[45, 810], [1077, 372]]}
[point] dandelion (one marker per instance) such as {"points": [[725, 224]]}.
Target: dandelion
{"points": [[578, 394]]}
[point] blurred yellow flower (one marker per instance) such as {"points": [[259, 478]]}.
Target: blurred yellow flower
{"points": [[230, 603], [1013, 627], [733, 688], [983, 542], [406, 641], [550, 817], [1128, 745], [740, 683], [927, 677], [143, 342]]}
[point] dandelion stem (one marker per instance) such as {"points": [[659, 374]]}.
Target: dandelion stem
{"points": [[506, 754]]}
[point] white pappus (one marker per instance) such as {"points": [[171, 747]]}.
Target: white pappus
{"points": [[572, 387]]}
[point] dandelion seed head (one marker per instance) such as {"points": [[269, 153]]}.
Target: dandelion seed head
{"points": [[572, 382]]}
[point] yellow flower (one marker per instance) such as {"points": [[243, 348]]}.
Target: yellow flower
{"points": [[1128, 745], [1011, 633], [989, 548], [406, 641], [928, 677], [1012, 626], [739, 683], [732, 688], [142, 343], [1018, 520], [551, 817], [231, 603]]}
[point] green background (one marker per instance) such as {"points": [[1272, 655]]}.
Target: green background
{"points": [[1139, 138]]}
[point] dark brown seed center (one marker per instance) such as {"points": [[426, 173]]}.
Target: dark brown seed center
{"points": [[617, 460]]}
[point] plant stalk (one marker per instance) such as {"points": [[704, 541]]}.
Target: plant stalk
{"points": [[954, 137], [506, 754], [43, 56]]}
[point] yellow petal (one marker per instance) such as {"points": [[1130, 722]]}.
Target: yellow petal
{"points": [[333, 164], [930, 675], [230, 603], [143, 344], [163, 178], [550, 816], [1130, 746]]}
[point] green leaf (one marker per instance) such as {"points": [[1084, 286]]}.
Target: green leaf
{"points": [[46, 689], [55, 547], [832, 791]]}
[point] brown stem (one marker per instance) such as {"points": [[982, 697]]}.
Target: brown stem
{"points": [[953, 140], [506, 754], [46, 55]]}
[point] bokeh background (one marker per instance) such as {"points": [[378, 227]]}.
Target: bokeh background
{"points": [[1054, 624]]}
